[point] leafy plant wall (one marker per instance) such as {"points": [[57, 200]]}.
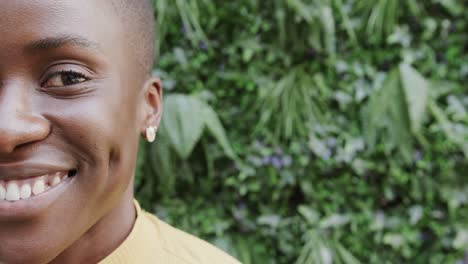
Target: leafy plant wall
{"points": [[313, 131]]}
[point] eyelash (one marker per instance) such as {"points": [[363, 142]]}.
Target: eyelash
{"points": [[74, 73]]}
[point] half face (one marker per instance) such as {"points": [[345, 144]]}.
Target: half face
{"points": [[69, 123]]}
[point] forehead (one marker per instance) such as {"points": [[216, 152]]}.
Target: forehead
{"points": [[26, 21]]}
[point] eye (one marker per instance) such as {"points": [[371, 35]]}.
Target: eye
{"points": [[65, 78]]}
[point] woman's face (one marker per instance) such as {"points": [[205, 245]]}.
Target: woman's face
{"points": [[69, 123]]}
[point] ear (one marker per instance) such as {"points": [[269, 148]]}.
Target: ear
{"points": [[152, 107]]}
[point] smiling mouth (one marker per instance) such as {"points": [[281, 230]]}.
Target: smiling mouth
{"points": [[15, 190]]}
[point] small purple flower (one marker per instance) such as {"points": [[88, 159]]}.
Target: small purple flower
{"points": [[417, 155], [464, 260], [326, 155], [203, 45], [266, 160], [422, 236], [184, 30], [276, 162], [239, 213]]}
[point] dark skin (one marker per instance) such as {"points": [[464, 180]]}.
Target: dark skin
{"points": [[73, 97]]}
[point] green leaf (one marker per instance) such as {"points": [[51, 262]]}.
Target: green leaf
{"points": [[396, 111], [328, 24], [183, 122], [386, 118], [345, 255], [416, 90], [213, 124]]}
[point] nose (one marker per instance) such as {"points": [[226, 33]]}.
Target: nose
{"points": [[19, 125]]}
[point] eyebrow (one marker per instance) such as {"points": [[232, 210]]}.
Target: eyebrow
{"points": [[60, 41]]}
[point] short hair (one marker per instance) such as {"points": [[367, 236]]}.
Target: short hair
{"points": [[139, 23]]}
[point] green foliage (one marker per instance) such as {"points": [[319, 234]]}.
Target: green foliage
{"points": [[337, 129], [288, 104], [396, 111], [319, 250], [183, 124]]}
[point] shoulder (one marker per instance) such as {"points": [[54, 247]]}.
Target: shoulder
{"points": [[185, 248]]}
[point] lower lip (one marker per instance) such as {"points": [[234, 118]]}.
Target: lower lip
{"points": [[35, 204]]}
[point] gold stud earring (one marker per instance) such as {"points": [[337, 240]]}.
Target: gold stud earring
{"points": [[151, 133]]}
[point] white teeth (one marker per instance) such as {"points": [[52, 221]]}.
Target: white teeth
{"points": [[12, 193], [25, 191], [2, 192], [14, 190], [39, 186], [55, 180]]}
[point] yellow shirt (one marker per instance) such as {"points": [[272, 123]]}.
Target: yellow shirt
{"points": [[152, 241]]}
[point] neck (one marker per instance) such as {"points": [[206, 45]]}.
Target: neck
{"points": [[105, 236]]}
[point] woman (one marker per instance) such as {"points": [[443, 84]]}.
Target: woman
{"points": [[75, 96]]}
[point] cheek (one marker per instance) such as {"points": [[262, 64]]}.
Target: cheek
{"points": [[100, 132]]}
